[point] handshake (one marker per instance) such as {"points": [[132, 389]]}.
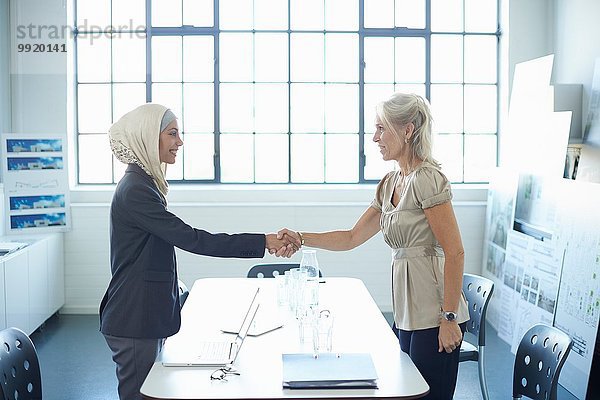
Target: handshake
{"points": [[284, 243]]}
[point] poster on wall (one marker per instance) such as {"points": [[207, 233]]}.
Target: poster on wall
{"points": [[591, 133], [578, 308], [533, 259], [36, 186], [499, 221], [547, 269]]}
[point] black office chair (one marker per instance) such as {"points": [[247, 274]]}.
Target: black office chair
{"points": [[19, 366], [478, 291], [539, 359], [272, 270], [183, 292]]}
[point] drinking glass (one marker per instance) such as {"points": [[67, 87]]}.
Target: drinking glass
{"points": [[310, 264], [322, 332]]}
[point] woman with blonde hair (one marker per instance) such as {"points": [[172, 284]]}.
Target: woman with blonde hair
{"points": [[412, 207]]}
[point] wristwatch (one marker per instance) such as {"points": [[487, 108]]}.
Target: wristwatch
{"points": [[449, 315]]}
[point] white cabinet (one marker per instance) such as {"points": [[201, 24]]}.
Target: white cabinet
{"points": [[32, 282], [38, 283], [16, 290], [56, 273], [2, 299]]}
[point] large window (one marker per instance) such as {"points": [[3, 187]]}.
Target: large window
{"points": [[283, 91]]}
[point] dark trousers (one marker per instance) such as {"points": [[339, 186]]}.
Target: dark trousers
{"points": [[134, 358], [440, 370]]}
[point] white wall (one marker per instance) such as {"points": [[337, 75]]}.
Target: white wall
{"points": [[531, 31], [38, 80], [5, 104], [4, 68], [567, 28], [4, 88], [576, 44]]}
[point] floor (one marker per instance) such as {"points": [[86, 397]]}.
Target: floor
{"points": [[76, 364]]}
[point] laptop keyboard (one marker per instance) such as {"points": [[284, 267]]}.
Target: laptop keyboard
{"points": [[214, 350]]}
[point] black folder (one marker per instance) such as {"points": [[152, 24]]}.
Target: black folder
{"points": [[329, 371]]}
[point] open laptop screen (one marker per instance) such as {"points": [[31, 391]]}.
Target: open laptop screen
{"points": [[248, 320], [212, 353]]}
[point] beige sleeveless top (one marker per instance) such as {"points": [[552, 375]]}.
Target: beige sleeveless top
{"points": [[417, 257]]}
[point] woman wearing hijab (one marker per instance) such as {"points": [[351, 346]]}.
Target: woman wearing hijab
{"points": [[141, 305]]}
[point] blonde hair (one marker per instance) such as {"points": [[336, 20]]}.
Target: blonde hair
{"points": [[402, 109]]}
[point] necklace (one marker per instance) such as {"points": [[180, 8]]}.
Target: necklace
{"points": [[399, 190], [400, 187], [400, 183]]}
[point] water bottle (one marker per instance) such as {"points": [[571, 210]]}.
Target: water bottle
{"points": [[310, 264]]}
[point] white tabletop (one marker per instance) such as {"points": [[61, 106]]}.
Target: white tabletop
{"points": [[359, 327]]}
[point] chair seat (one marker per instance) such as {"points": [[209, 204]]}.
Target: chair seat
{"points": [[468, 352]]}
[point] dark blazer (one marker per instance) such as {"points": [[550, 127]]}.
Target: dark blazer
{"points": [[142, 298]]}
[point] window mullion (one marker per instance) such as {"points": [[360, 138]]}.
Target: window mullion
{"points": [[217, 106], [148, 50], [361, 93]]}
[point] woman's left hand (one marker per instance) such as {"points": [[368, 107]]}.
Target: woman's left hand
{"points": [[450, 336]]}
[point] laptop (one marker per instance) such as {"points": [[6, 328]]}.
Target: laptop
{"points": [[216, 353]]}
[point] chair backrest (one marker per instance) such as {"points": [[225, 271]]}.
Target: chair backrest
{"points": [[183, 292], [478, 291], [270, 270], [20, 376], [539, 359]]}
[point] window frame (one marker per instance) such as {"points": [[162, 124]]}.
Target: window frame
{"points": [[215, 31]]}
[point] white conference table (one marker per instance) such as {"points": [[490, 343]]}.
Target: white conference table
{"points": [[216, 303]]}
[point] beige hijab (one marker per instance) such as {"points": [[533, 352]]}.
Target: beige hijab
{"points": [[134, 139]]}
